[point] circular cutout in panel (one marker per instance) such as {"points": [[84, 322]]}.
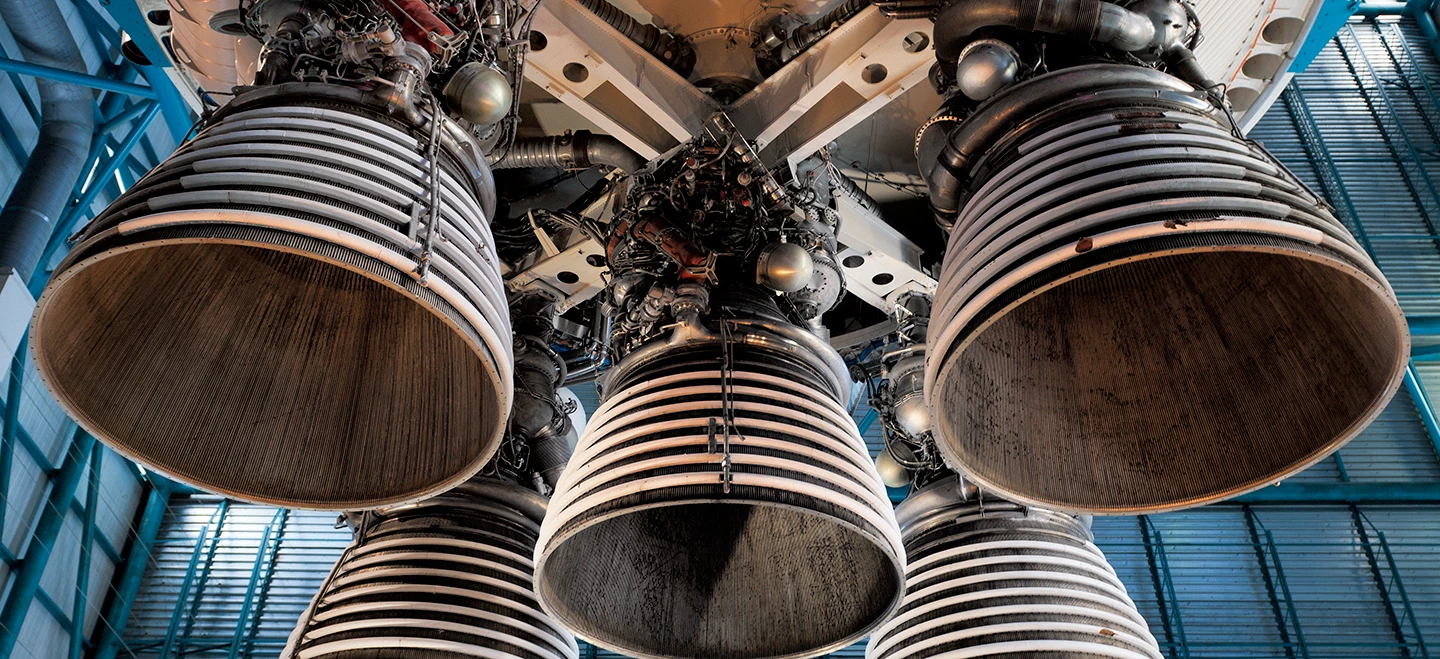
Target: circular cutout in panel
{"points": [[1283, 30], [1262, 66]]}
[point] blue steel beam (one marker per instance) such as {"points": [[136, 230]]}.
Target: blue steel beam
{"points": [[1420, 10], [1421, 398], [111, 124], [87, 536], [1330, 17], [81, 208], [1333, 493], [26, 579], [111, 627], [1424, 325], [131, 19], [86, 80], [178, 117], [251, 588]]}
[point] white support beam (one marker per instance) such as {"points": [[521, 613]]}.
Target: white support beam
{"points": [[857, 69], [572, 274], [880, 264], [600, 73]]}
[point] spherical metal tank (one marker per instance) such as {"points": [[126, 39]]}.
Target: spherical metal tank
{"points": [[892, 473], [673, 533], [479, 93], [447, 577], [278, 312], [996, 579], [1140, 310], [986, 66], [785, 267]]}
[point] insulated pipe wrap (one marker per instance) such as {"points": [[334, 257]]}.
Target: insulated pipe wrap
{"points": [[67, 120], [1086, 20], [1140, 311], [781, 545], [580, 150], [448, 577], [996, 579], [250, 318], [676, 54]]}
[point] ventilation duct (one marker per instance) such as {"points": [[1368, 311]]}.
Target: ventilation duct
{"points": [[66, 123], [990, 578], [447, 577], [721, 503], [1140, 310], [301, 307]]}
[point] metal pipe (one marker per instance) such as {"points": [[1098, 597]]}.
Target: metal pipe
{"points": [[1089, 20], [80, 209], [1372, 9], [674, 52], [26, 581], [66, 123], [807, 35], [981, 130], [74, 78], [578, 150], [111, 627]]}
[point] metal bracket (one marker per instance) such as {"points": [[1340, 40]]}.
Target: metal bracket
{"points": [[856, 70], [880, 264], [614, 83]]}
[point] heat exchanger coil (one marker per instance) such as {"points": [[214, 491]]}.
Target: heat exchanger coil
{"points": [[721, 503], [996, 579], [449, 577], [1139, 309], [302, 306]]}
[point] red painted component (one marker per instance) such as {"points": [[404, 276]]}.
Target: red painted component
{"points": [[696, 262], [417, 23]]}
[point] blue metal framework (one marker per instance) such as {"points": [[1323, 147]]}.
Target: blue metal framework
{"points": [[1180, 579], [125, 111]]}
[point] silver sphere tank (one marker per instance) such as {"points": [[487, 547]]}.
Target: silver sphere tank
{"points": [[785, 267], [892, 473], [985, 67], [479, 93]]}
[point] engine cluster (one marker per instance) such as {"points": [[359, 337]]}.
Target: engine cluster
{"points": [[710, 216], [468, 54]]}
